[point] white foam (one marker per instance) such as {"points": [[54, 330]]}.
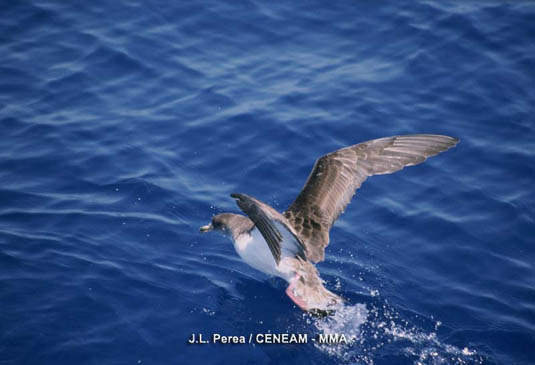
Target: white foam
{"points": [[370, 329], [347, 321]]}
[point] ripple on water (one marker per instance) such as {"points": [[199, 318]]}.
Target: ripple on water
{"points": [[125, 126]]}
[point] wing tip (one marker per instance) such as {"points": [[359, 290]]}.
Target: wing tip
{"points": [[440, 139], [452, 141], [240, 197]]}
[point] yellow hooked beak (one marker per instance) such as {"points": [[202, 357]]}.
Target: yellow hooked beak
{"points": [[206, 228]]}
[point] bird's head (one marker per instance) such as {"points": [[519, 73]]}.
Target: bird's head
{"points": [[220, 222]]}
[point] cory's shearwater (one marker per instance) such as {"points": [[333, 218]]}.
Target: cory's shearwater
{"points": [[287, 245]]}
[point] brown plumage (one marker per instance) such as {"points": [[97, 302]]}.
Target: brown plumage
{"points": [[336, 176]]}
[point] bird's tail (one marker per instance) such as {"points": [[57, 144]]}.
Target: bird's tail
{"points": [[307, 291]]}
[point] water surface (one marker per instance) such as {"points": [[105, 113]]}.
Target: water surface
{"points": [[125, 127]]}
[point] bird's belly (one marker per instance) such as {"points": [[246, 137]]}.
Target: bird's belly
{"points": [[254, 250]]}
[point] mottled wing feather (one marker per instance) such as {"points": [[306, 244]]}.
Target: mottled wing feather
{"points": [[336, 176]]}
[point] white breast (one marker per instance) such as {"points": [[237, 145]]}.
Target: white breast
{"points": [[254, 250]]}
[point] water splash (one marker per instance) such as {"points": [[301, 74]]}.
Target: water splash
{"points": [[377, 329], [346, 321]]}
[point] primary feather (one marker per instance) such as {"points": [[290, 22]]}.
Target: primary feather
{"points": [[336, 176]]}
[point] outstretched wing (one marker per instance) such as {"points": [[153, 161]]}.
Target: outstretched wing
{"points": [[271, 225], [336, 176]]}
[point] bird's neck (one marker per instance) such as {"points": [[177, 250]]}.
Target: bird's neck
{"points": [[239, 225], [242, 240]]}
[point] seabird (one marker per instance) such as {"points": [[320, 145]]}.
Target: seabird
{"points": [[288, 245]]}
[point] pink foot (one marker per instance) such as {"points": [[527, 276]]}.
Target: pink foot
{"points": [[289, 291]]}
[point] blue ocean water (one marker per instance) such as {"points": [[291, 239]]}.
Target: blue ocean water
{"points": [[125, 127]]}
